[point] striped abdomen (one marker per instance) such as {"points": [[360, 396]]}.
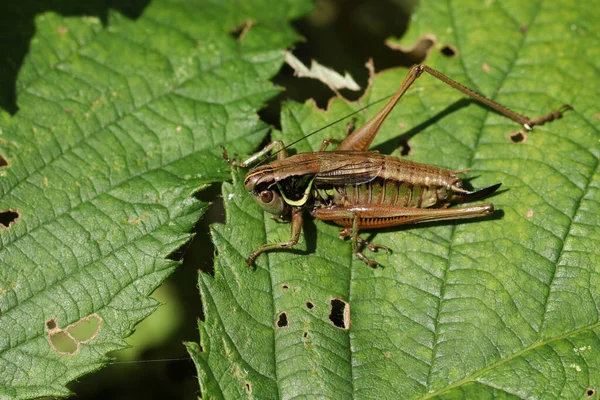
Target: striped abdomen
{"points": [[383, 191]]}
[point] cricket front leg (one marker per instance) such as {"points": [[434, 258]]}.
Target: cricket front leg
{"points": [[382, 216], [296, 229]]}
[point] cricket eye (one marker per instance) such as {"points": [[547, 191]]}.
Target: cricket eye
{"points": [[271, 202], [266, 196]]}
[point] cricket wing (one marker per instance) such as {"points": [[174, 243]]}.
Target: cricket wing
{"points": [[348, 167]]}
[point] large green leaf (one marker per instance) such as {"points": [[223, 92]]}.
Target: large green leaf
{"points": [[502, 307], [118, 126]]}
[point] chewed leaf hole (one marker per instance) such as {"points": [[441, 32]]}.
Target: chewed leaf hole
{"points": [[282, 321], [310, 305], [63, 343], [589, 392], [248, 388], [51, 324], [404, 147], [340, 313], [285, 287], [8, 217], [518, 137], [448, 50], [68, 340], [3, 162], [85, 329]]}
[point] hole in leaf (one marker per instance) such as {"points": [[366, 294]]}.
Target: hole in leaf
{"points": [[248, 387], [305, 335], [285, 287], [3, 162], [68, 340], [51, 324], [282, 321], [310, 305], [448, 50], [85, 329], [404, 147], [589, 392], [340, 313], [242, 29], [8, 217], [63, 343], [518, 137]]}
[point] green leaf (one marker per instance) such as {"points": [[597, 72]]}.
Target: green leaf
{"points": [[118, 126], [501, 307]]}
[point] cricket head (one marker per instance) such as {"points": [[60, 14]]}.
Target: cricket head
{"points": [[261, 183]]}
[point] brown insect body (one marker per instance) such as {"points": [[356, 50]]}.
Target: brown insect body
{"points": [[360, 189]]}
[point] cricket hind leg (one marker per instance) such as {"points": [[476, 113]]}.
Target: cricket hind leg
{"points": [[374, 216], [361, 138]]}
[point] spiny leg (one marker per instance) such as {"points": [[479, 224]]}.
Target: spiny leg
{"points": [[362, 138], [528, 123], [296, 229], [373, 216]]}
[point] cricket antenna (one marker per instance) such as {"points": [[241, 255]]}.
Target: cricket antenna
{"points": [[324, 127]]}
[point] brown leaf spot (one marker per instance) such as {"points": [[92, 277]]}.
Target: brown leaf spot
{"points": [[3, 162], [529, 214], [339, 315], [51, 324], [486, 68], [523, 28], [62, 30], [597, 115]]}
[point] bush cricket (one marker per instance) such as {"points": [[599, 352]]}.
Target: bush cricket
{"points": [[360, 189]]}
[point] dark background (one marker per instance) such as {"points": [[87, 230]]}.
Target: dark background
{"points": [[340, 34]]}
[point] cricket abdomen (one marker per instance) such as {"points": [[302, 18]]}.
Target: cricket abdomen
{"points": [[399, 183], [384, 192]]}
